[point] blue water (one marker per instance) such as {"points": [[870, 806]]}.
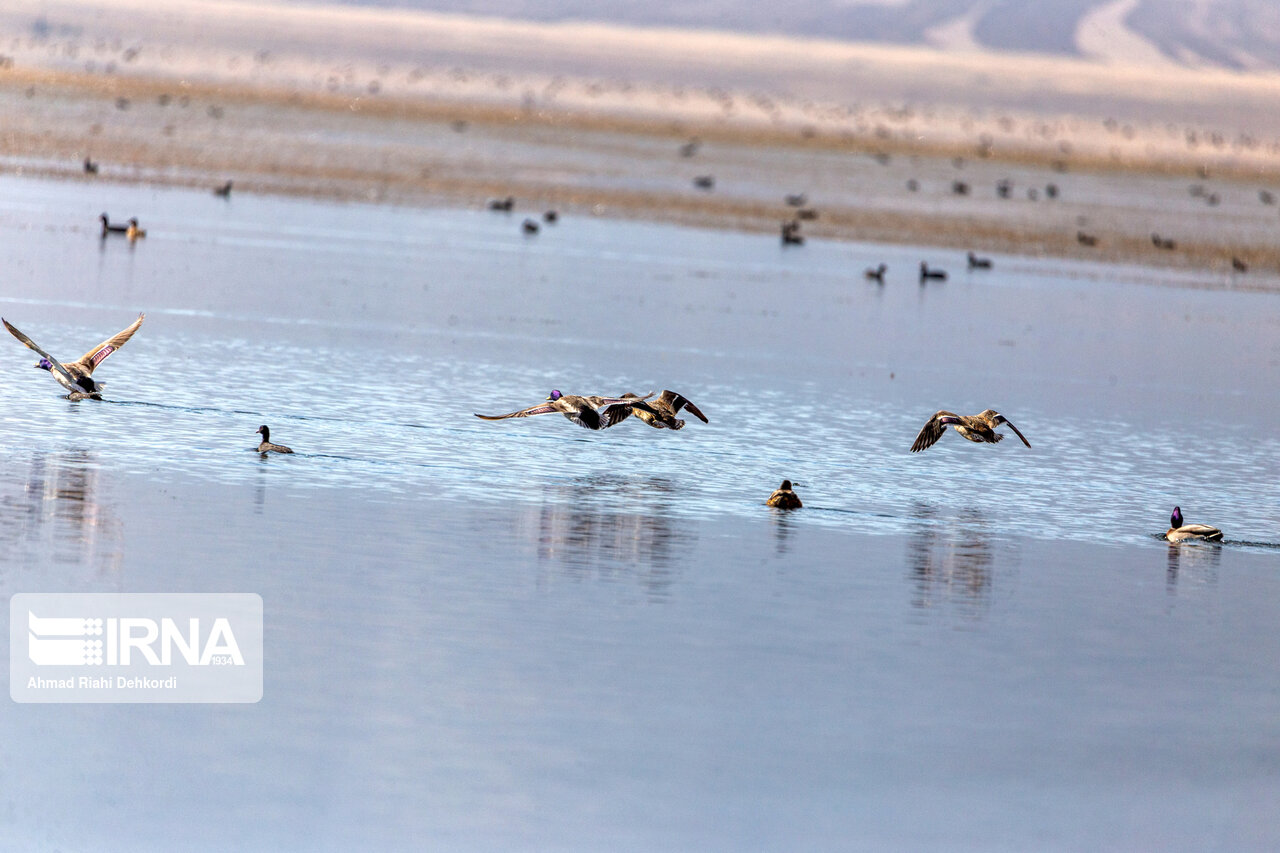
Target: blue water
{"points": [[527, 635]]}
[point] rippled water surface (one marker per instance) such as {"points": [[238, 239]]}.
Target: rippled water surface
{"points": [[525, 634]]}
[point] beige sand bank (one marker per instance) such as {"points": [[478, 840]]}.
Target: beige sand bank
{"points": [[370, 104]]}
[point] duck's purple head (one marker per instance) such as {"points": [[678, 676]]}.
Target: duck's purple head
{"points": [[1175, 520], [44, 364], [554, 395]]}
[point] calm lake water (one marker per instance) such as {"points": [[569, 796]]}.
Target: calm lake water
{"points": [[525, 635]]}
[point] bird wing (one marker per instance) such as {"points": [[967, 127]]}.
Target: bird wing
{"points": [[678, 402], [597, 401], [57, 365], [931, 431], [98, 354], [615, 415], [540, 409], [1017, 432]]}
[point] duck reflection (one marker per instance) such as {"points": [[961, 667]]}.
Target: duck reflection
{"points": [[782, 530], [584, 531], [1199, 559], [951, 560], [50, 511]]}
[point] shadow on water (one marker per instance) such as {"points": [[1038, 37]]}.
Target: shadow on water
{"points": [[1200, 560], [51, 507], [951, 559], [581, 533]]}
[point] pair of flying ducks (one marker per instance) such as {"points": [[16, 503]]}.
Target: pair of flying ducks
{"points": [[658, 413]]}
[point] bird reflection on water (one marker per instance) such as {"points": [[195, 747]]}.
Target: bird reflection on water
{"points": [[1202, 560], [582, 533], [52, 505], [951, 560]]}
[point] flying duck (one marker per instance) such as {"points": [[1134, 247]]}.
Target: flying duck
{"points": [[1179, 532], [580, 410], [108, 228], [77, 376], [266, 446], [784, 498], [659, 414], [980, 428]]}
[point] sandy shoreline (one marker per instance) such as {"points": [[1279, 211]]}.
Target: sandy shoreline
{"points": [[342, 108]]}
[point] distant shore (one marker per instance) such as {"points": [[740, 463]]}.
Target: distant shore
{"points": [[546, 114]]}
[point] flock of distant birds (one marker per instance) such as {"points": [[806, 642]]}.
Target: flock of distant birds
{"points": [[658, 412]]}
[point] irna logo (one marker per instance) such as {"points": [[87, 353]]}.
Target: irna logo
{"points": [[77, 641], [135, 647]]}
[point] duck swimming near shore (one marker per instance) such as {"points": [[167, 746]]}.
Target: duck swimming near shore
{"points": [[927, 274], [977, 263], [133, 232], [108, 228], [77, 376], [1179, 531], [266, 446]]}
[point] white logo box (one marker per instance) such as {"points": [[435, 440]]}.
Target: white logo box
{"points": [[135, 647]]}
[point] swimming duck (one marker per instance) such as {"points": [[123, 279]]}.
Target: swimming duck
{"points": [[659, 414], [980, 428], [580, 410], [77, 376], [784, 498], [90, 167], [133, 232], [108, 228], [791, 235], [266, 446], [530, 226], [224, 190], [1179, 532], [977, 263], [927, 274], [502, 204], [1086, 239], [876, 274]]}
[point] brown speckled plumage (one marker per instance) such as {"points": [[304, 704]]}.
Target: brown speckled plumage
{"points": [[980, 428]]}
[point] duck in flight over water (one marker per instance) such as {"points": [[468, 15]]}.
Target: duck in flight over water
{"points": [[77, 376], [980, 428], [580, 410], [659, 414]]}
